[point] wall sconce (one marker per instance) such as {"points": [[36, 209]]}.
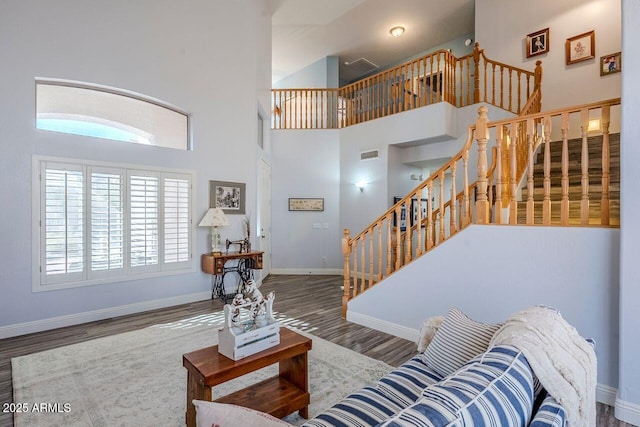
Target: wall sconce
{"points": [[361, 185], [594, 124]]}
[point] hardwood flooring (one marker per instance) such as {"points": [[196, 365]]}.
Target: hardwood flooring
{"points": [[313, 303]]}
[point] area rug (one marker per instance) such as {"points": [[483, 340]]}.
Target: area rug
{"points": [[137, 379]]}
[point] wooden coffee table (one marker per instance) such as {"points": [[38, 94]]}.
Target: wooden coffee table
{"points": [[279, 396]]}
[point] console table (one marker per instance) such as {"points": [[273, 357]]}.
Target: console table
{"points": [[215, 264]]}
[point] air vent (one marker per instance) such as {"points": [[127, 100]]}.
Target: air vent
{"points": [[368, 155], [361, 66]]}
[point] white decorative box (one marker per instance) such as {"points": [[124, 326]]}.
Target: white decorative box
{"points": [[235, 343], [244, 335]]}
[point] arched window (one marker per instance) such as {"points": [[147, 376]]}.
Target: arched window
{"points": [[97, 111]]}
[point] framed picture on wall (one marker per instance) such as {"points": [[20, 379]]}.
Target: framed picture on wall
{"points": [[581, 47], [229, 196], [611, 63], [538, 43], [402, 223]]}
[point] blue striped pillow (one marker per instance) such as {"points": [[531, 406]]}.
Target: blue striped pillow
{"points": [[458, 340], [495, 389], [550, 414]]}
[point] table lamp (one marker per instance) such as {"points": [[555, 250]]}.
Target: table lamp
{"points": [[214, 218]]}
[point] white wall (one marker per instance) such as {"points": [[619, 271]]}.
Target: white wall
{"points": [[490, 272], [502, 26], [164, 49], [306, 164], [321, 74], [628, 404]]}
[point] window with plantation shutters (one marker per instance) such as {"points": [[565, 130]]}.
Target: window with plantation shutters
{"points": [[101, 223], [63, 223], [107, 222], [144, 220], [176, 220]]}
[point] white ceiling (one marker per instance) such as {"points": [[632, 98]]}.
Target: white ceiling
{"points": [[305, 31]]}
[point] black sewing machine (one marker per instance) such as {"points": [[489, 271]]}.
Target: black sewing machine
{"points": [[243, 245]]}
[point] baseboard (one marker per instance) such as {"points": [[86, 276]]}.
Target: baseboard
{"points": [[606, 394], [627, 412], [313, 271], [383, 326], [104, 313]]}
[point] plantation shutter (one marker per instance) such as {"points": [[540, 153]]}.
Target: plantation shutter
{"points": [[177, 221], [62, 223], [144, 220], [107, 222]]}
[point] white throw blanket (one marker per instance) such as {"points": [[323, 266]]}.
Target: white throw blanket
{"points": [[562, 360]]}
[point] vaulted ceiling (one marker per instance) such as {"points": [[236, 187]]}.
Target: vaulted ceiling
{"points": [[305, 31]]}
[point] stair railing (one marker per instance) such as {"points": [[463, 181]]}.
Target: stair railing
{"points": [[435, 211], [436, 77]]}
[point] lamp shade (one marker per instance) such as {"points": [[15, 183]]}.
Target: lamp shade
{"points": [[214, 218]]}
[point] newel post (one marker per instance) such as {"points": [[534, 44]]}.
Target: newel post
{"points": [[476, 73], [537, 83], [482, 137], [346, 252]]}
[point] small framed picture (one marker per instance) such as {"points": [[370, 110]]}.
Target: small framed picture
{"points": [[610, 64], [580, 47], [229, 196], [538, 43]]}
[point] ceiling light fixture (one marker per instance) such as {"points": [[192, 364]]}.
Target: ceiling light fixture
{"points": [[397, 31]]}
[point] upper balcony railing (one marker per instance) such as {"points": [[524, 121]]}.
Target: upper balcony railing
{"points": [[433, 78]]}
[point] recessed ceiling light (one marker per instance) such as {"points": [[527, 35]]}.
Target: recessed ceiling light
{"points": [[397, 31]]}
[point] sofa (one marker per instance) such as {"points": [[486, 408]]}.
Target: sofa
{"points": [[463, 377]]}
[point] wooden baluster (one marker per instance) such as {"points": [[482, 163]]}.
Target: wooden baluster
{"points": [[453, 214], [513, 206], [407, 234], [429, 240], [530, 210], [510, 89], [389, 245], [499, 181], [476, 77], [431, 80], [355, 267], [546, 202], [380, 250], [493, 84], [564, 203], [584, 202], [442, 234], [501, 86], [371, 255], [346, 283], [459, 89], [466, 211], [398, 241], [520, 90], [468, 64], [482, 136], [419, 223], [606, 176], [484, 97], [363, 249]]}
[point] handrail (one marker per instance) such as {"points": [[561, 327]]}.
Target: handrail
{"points": [[436, 77], [383, 247]]}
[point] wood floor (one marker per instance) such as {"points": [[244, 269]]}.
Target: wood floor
{"points": [[313, 303]]}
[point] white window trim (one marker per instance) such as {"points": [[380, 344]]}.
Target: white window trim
{"points": [[127, 275]]}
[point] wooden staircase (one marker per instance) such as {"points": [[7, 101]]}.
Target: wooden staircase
{"points": [[575, 182]]}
